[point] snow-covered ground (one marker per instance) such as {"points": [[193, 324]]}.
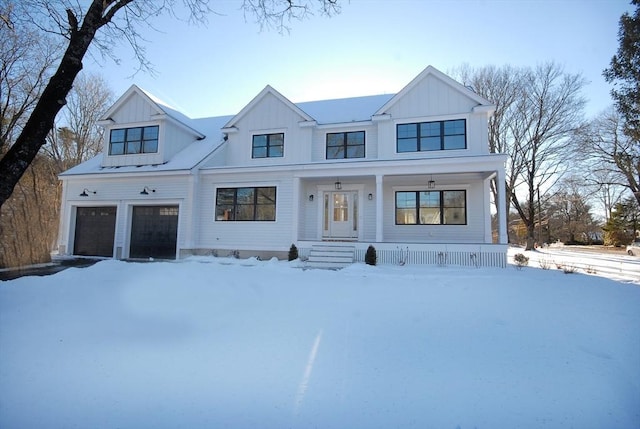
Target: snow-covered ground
{"points": [[225, 343]]}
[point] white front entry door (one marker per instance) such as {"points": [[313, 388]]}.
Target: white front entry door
{"points": [[340, 218]]}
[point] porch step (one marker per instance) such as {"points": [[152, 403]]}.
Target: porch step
{"points": [[331, 256]]}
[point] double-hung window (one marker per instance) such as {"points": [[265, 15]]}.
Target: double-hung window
{"points": [[246, 204], [431, 208], [267, 145], [127, 141], [427, 136], [345, 145]]}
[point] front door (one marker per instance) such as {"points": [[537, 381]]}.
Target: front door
{"points": [[340, 215]]}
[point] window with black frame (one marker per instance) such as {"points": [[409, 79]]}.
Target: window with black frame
{"points": [[431, 136], [431, 208], [345, 145], [267, 145], [129, 141], [246, 204]]}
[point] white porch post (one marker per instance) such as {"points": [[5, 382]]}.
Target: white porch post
{"points": [[379, 206], [488, 230], [295, 210], [502, 207]]}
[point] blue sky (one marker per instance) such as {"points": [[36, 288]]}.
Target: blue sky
{"points": [[371, 47]]}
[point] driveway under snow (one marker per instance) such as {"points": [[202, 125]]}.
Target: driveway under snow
{"points": [[222, 343]]}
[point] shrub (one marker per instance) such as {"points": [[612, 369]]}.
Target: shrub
{"points": [[544, 264], [520, 260], [293, 252], [371, 258]]}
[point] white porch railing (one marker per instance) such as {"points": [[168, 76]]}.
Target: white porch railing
{"points": [[466, 255]]}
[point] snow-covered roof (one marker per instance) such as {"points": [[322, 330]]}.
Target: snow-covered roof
{"points": [[186, 159], [172, 112], [344, 109]]}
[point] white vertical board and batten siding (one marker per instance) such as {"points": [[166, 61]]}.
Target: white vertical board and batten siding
{"points": [[441, 102], [136, 111], [269, 115], [431, 97]]}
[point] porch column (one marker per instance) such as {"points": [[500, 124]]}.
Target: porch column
{"points": [[502, 207], [295, 209], [379, 206]]}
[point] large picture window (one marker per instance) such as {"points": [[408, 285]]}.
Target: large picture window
{"points": [[246, 204], [431, 208], [128, 141], [427, 136], [267, 146], [345, 145]]}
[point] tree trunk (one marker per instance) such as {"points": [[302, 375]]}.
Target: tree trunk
{"points": [[41, 121]]}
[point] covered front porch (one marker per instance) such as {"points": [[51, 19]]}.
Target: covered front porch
{"points": [[436, 213]]}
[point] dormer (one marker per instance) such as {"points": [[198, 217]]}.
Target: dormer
{"points": [[435, 116], [269, 130], [142, 130]]}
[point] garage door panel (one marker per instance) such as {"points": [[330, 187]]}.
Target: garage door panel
{"points": [[95, 231], [154, 232]]}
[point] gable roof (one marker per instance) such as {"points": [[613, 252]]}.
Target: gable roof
{"points": [[157, 105], [186, 159], [267, 90], [432, 71]]}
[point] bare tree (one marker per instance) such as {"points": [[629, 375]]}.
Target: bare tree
{"points": [[99, 23], [612, 151], [502, 86], [538, 110], [276, 13], [26, 63], [569, 212], [78, 137], [28, 221]]}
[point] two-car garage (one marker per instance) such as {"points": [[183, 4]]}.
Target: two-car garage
{"points": [[154, 231]]}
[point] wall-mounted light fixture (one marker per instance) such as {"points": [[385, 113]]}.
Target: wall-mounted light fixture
{"points": [[146, 190], [370, 196], [338, 185], [86, 192], [311, 197], [432, 183]]}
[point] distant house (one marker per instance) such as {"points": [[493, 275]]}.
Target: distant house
{"points": [[409, 173]]}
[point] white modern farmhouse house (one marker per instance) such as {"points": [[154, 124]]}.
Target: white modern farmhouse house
{"points": [[408, 173]]}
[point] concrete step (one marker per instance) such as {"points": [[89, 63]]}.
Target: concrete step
{"points": [[331, 256]]}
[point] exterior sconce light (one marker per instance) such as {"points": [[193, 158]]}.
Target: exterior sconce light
{"points": [[370, 197], [311, 198], [432, 183], [338, 185], [146, 190], [86, 192]]}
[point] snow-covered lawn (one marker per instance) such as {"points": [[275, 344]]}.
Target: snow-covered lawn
{"points": [[223, 343]]}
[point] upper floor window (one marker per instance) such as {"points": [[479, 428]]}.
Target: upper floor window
{"points": [[246, 204], [126, 141], [267, 146], [424, 136], [431, 208], [345, 145]]}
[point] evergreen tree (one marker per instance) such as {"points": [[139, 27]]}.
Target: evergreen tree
{"points": [[621, 227], [624, 71]]}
